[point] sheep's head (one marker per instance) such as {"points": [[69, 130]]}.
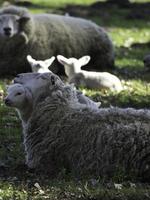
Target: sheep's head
{"points": [[40, 66], [73, 65], [12, 19], [17, 96], [39, 83]]}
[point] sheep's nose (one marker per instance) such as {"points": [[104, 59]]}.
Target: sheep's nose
{"points": [[7, 31], [7, 101]]}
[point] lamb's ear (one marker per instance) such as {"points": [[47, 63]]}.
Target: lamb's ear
{"points": [[64, 61], [48, 62], [84, 60], [30, 60]]}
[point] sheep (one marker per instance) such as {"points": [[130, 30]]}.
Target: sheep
{"points": [[40, 66], [88, 79], [44, 35], [146, 61], [32, 81], [63, 134], [20, 98]]}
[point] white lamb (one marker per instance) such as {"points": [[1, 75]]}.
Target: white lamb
{"points": [[20, 97], [40, 66], [89, 79]]}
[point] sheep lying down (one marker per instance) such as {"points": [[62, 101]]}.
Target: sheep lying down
{"points": [[31, 80], [44, 35], [62, 133]]}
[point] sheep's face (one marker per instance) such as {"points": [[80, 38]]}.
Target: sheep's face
{"points": [[16, 96], [40, 66], [34, 81], [38, 82], [9, 25], [25, 78]]}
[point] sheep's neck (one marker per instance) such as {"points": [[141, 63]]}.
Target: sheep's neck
{"points": [[26, 113]]}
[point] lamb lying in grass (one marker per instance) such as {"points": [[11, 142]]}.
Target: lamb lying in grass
{"points": [[20, 98], [40, 66], [88, 79], [30, 80], [62, 133]]}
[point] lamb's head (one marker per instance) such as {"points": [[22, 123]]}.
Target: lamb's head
{"points": [[40, 66], [12, 19], [39, 83], [72, 65], [18, 96]]}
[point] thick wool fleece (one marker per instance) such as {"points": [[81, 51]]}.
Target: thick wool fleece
{"points": [[62, 134]]}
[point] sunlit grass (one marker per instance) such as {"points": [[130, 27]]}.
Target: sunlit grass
{"points": [[124, 33], [61, 3]]}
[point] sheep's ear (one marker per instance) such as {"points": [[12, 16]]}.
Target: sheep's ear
{"points": [[25, 17], [30, 59], [48, 62], [64, 61], [84, 60]]}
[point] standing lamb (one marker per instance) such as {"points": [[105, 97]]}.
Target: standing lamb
{"points": [[40, 66], [33, 80], [46, 35], [89, 79], [63, 134]]}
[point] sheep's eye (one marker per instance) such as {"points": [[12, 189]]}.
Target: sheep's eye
{"points": [[18, 93]]}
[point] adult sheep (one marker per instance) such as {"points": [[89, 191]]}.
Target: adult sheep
{"points": [[33, 82], [64, 134], [46, 35]]}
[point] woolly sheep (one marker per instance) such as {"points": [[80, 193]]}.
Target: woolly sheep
{"points": [[40, 66], [84, 141], [89, 79], [146, 61], [44, 35], [20, 98], [33, 80]]}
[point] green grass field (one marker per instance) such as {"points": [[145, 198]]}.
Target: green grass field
{"points": [[131, 37]]}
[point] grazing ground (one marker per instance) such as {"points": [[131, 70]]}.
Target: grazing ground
{"points": [[129, 29]]}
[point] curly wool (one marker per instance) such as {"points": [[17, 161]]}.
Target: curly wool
{"points": [[87, 142], [46, 35]]}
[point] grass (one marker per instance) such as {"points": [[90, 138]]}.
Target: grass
{"points": [[130, 37]]}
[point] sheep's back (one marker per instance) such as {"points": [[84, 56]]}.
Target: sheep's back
{"points": [[90, 142]]}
